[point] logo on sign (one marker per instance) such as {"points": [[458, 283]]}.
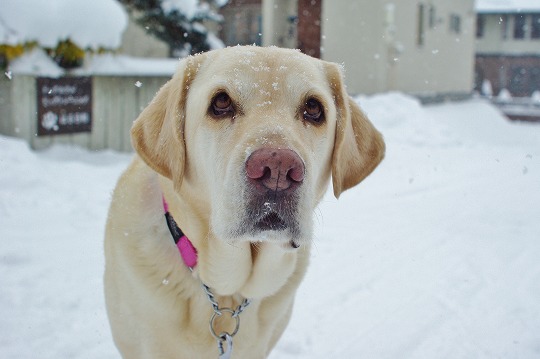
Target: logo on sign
{"points": [[50, 121], [64, 105]]}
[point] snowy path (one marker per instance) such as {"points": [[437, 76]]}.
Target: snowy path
{"points": [[436, 255]]}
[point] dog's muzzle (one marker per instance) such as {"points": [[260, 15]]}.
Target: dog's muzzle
{"points": [[274, 176]]}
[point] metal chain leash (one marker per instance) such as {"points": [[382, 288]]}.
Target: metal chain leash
{"points": [[189, 255], [224, 337]]}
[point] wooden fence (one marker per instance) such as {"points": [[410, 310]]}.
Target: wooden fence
{"points": [[116, 103]]}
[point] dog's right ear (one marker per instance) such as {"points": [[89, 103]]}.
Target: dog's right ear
{"points": [[158, 133]]}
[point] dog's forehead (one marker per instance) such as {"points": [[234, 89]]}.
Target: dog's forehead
{"points": [[250, 69]]}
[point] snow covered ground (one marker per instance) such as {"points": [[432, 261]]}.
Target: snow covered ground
{"points": [[435, 255]]}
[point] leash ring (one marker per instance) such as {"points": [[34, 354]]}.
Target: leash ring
{"points": [[213, 319]]}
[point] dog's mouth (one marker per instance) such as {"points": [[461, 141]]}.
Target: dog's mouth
{"points": [[270, 221], [277, 214], [274, 221], [270, 217]]}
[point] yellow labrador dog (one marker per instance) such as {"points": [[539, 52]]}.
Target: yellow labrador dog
{"points": [[237, 149]]}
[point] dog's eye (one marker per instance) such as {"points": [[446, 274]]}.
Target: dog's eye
{"points": [[222, 105], [313, 111]]}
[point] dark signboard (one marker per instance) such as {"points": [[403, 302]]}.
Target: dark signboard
{"points": [[64, 105]]}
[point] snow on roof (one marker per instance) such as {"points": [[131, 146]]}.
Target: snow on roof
{"points": [[121, 65], [37, 62], [186, 7], [507, 6], [96, 23]]}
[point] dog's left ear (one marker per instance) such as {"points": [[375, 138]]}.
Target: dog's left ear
{"points": [[158, 133], [358, 146]]}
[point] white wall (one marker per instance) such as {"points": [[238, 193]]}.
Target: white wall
{"points": [[353, 35], [136, 42], [378, 43]]}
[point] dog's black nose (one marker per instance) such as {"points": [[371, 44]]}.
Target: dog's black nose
{"points": [[275, 169]]}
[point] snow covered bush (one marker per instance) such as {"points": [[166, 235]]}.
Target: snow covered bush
{"points": [[8, 53], [68, 55], [179, 23]]}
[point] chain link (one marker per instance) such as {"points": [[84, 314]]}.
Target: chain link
{"points": [[215, 305], [212, 299], [245, 303], [235, 314]]}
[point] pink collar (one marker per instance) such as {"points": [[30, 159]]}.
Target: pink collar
{"points": [[184, 245]]}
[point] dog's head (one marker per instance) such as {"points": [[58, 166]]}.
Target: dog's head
{"points": [[256, 133]]}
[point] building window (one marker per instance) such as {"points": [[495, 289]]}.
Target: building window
{"points": [[535, 27], [480, 25], [420, 38], [503, 22], [455, 23], [520, 25], [432, 17]]}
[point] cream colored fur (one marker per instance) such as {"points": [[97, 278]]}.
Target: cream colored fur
{"points": [[156, 306]]}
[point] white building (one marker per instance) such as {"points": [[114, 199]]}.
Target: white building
{"points": [[508, 45], [419, 47]]}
